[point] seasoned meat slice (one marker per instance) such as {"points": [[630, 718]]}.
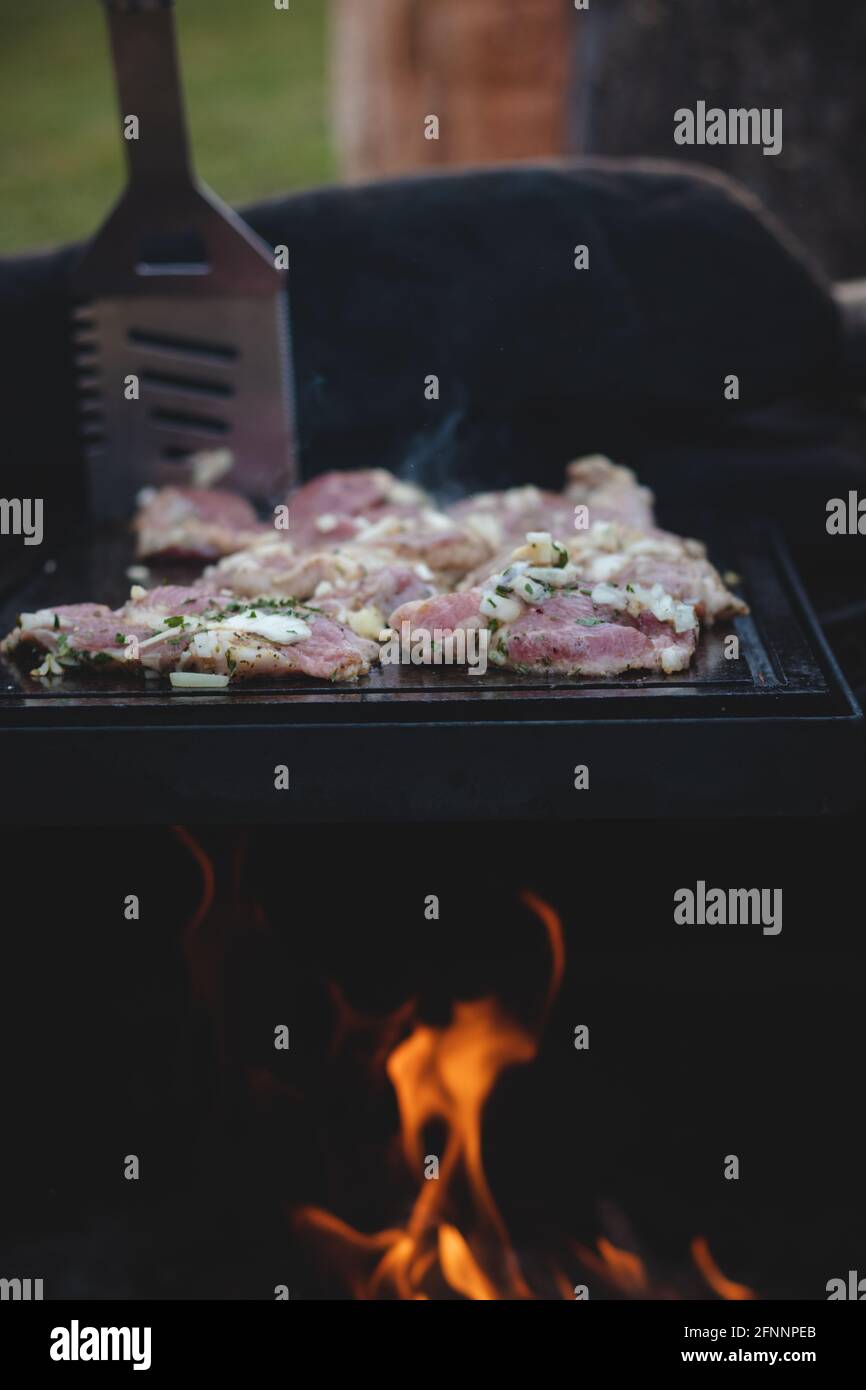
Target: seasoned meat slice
{"points": [[343, 582], [195, 523], [201, 630], [177, 628], [503, 518], [337, 506], [543, 617], [76, 634], [609, 491], [623, 556], [325, 650], [561, 634]]}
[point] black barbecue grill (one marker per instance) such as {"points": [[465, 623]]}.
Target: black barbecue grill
{"points": [[538, 364], [776, 732]]}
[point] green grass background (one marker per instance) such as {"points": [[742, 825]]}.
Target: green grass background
{"points": [[255, 80]]}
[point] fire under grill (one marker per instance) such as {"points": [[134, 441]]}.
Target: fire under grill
{"points": [[774, 732], [533, 1092]]}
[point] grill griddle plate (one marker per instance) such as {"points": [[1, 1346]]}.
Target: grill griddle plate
{"points": [[775, 733]]}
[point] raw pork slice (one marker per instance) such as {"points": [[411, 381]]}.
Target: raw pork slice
{"points": [[609, 491], [76, 634], [194, 523], [335, 507], [563, 634], [360, 585], [543, 618], [445, 545], [212, 632], [503, 518], [325, 651], [177, 628], [608, 551]]}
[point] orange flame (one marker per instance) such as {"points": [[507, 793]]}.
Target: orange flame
{"points": [[441, 1075], [725, 1288], [446, 1074], [621, 1269]]}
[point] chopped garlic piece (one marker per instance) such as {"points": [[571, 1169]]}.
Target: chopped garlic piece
{"points": [[675, 659], [634, 599], [49, 667], [197, 680], [540, 549], [43, 617], [367, 622], [385, 526], [499, 606], [405, 492], [558, 578], [528, 589], [518, 498], [604, 567], [209, 465], [280, 628], [485, 525], [605, 534]]}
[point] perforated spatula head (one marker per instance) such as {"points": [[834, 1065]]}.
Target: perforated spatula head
{"points": [[181, 321]]}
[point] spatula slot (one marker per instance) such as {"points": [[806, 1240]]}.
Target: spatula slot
{"points": [[183, 420], [172, 382], [192, 347], [173, 253]]}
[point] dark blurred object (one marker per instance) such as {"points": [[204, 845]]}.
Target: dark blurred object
{"points": [[639, 60], [851, 299], [471, 277], [540, 78]]}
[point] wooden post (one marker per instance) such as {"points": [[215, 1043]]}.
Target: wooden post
{"points": [[494, 73]]}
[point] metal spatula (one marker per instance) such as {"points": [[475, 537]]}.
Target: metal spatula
{"points": [[177, 292]]}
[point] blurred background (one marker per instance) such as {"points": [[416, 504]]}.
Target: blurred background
{"points": [[328, 89]]}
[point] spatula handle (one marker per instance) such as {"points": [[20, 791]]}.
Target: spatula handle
{"points": [[144, 51]]}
